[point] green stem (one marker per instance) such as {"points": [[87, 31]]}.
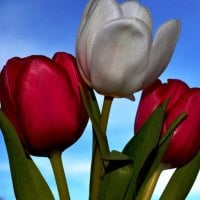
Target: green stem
{"points": [[95, 119], [96, 173], [97, 164], [105, 113], [148, 189], [56, 163]]}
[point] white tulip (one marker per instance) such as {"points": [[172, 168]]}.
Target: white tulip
{"points": [[115, 50]]}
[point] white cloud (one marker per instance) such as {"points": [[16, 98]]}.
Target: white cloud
{"points": [[76, 171], [77, 167], [163, 180], [195, 188], [165, 177], [72, 165]]}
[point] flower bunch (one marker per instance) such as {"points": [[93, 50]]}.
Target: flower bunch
{"points": [[46, 104]]}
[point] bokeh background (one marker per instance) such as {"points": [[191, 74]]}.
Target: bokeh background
{"points": [[44, 27]]}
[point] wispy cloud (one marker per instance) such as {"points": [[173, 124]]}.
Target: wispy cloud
{"points": [[77, 172], [77, 167], [165, 177], [163, 180], [73, 166]]}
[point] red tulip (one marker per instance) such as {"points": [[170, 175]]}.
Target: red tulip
{"points": [[41, 97], [185, 142]]}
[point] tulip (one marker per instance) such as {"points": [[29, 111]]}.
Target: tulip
{"points": [[115, 52], [41, 97], [185, 141]]}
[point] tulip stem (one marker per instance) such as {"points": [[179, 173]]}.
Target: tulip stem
{"points": [[56, 163], [94, 114], [105, 113], [148, 189], [97, 170]]}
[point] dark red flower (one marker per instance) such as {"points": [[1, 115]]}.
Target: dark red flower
{"points": [[185, 142], [42, 99]]}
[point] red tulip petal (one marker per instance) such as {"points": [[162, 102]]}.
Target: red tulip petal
{"points": [[68, 63], [146, 105], [185, 142], [8, 80], [156, 94], [47, 106]]}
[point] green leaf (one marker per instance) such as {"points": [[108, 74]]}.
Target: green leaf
{"points": [[116, 156], [94, 105], [116, 180], [142, 146], [27, 180], [182, 180], [115, 160], [102, 141], [155, 169], [120, 183], [163, 143]]}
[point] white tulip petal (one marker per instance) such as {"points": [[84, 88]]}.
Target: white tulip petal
{"points": [[87, 13], [103, 11], [130, 8], [119, 56], [134, 9], [81, 41], [145, 15], [81, 57], [162, 50]]}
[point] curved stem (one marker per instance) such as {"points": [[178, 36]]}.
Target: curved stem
{"points": [[56, 163], [105, 113], [92, 111], [148, 189], [97, 164]]}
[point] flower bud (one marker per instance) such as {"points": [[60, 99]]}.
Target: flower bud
{"points": [[185, 141], [41, 97], [115, 52]]}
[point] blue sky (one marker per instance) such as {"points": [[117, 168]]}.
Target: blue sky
{"points": [[45, 27]]}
